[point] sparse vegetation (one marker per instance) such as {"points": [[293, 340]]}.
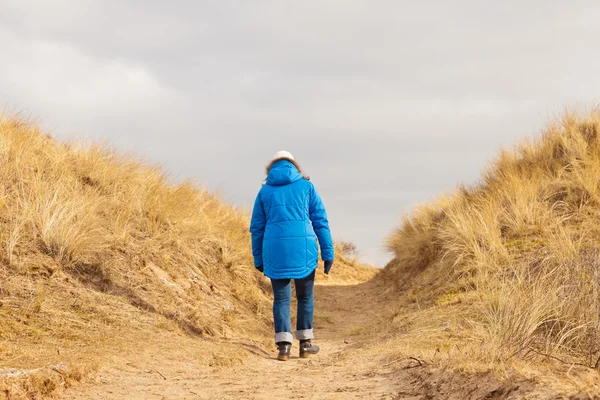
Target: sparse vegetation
{"points": [[348, 249], [507, 271]]}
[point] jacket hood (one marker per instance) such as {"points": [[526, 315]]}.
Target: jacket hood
{"points": [[282, 173]]}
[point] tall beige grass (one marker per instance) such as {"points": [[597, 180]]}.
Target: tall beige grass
{"points": [[88, 210], [97, 247], [510, 268]]}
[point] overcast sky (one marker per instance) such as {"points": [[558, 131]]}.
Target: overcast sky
{"points": [[385, 103]]}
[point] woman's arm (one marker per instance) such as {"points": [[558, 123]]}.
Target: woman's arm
{"points": [[257, 228], [320, 223]]}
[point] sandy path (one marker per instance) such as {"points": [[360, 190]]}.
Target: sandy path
{"points": [[344, 314]]}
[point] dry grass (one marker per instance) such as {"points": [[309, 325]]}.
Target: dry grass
{"points": [[101, 254], [508, 271], [94, 244]]}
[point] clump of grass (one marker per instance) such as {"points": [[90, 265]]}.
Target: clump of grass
{"points": [[519, 252], [47, 381]]}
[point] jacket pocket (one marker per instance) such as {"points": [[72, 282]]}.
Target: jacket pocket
{"points": [[266, 253], [312, 252]]}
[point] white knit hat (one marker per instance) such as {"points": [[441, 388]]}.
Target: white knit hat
{"points": [[283, 154]]}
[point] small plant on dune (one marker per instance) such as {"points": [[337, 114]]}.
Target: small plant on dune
{"points": [[347, 249]]}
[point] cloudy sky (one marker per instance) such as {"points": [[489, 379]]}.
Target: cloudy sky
{"points": [[385, 103]]}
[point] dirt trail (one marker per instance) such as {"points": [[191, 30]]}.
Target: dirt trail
{"points": [[345, 317]]}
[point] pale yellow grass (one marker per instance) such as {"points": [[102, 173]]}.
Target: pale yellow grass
{"points": [[506, 273]]}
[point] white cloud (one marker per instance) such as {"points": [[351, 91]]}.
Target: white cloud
{"points": [[56, 77]]}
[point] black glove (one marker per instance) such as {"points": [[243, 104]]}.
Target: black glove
{"points": [[328, 265], [261, 269]]}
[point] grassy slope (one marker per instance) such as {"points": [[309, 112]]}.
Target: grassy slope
{"points": [[99, 253], [506, 274]]}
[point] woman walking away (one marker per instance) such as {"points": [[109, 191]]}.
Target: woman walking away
{"points": [[287, 219]]}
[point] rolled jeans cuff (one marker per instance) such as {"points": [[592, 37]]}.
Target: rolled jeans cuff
{"points": [[305, 334], [284, 337]]}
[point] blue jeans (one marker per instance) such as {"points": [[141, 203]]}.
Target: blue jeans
{"points": [[282, 291]]}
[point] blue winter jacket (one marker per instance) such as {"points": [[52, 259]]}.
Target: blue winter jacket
{"points": [[287, 219]]}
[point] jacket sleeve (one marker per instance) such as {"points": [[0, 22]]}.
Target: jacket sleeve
{"points": [[318, 217], [257, 228]]}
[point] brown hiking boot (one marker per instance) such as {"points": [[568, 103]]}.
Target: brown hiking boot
{"points": [[284, 351], [307, 348]]}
